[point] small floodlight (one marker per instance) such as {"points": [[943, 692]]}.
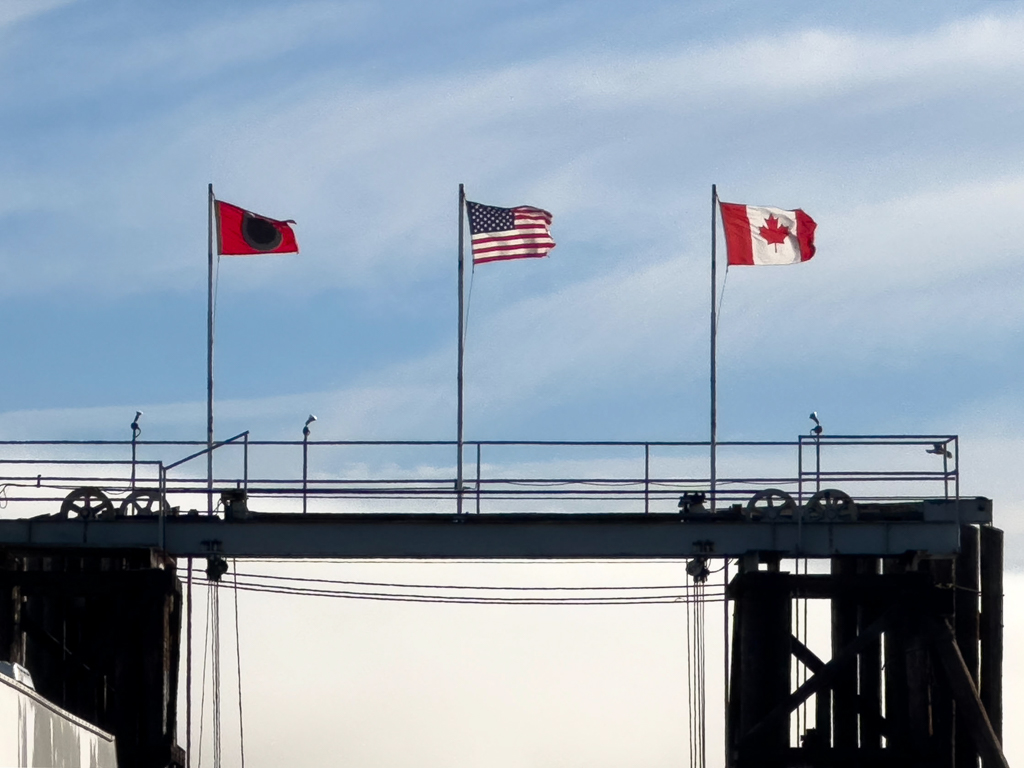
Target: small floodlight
{"points": [[305, 427], [136, 429], [939, 449], [817, 429]]}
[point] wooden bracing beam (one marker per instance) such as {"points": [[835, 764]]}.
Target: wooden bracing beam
{"points": [[968, 703], [825, 676], [866, 706]]}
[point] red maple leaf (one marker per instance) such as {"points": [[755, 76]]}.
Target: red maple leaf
{"points": [[773, 233]]}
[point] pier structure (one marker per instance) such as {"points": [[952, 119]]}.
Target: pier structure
{"points": [[913, 581]]}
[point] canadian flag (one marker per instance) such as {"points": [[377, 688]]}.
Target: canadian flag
{"points": [[758, 236]]}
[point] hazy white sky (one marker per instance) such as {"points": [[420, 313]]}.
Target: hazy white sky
{"points": [[895, 125]]}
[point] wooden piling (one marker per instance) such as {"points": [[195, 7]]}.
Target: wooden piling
{"points": [[940, 694], [991, 629], [765, 630], [896, 705], [870, 669], [966, 628], [844, 632]]}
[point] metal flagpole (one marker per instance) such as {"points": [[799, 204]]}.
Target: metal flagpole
{"points": [[714, 351], [209, 355], [462, 345]]}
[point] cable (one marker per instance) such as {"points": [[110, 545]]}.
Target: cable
{"points": [[726, 650], [691, 726], [238, 659], [696, 676], [516, 588], [721, 298], [215, 652], [188, 672], [202, 698], [474, 600]]}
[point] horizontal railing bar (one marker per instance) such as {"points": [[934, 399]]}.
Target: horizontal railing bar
{"points": [[906, 440], [852, 475], [831, 440], [76, 462]]}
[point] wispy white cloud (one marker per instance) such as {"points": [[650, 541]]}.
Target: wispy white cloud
{"points": [[14, 11], [364, 167]]}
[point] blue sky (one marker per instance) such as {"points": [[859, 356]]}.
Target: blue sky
{"points": [[896, 129], [895, 125]]}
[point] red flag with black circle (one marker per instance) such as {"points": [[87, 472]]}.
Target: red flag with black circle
{"points": [[244, 233]]}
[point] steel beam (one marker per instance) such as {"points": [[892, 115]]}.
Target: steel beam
{"points": [[503, 536]]}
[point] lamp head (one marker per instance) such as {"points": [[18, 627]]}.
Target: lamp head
{"points": [[305, 427], [817, 429], [136, 429]]}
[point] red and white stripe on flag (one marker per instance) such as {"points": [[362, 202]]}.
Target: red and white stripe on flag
{"points": [[498, 234], [761, 236]]}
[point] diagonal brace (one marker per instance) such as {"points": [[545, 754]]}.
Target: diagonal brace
{"points": [[822, 679], [865, 707], [968, 704]]}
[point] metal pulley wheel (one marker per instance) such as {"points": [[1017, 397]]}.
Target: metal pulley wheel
{"points": [[142, 502], [770, 504], [86, 504], [831, 505]]}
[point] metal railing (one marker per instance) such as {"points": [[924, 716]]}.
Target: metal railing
{"points": [[501, 476]]}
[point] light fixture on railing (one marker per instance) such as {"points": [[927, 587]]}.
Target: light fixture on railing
{"points": [[692, 502], [136, 429], [939, 449], [817, 429], [305, 427]]}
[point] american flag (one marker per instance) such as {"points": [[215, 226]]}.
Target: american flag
{"points": [[508, 233]]}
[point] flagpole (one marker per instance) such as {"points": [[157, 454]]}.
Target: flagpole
{"points": [[714, 351], [462, 347], [209, 353]]}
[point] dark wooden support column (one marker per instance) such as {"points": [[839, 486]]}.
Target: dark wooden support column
{"points": [[735, 684], [991, 630], [870, 669], [967, 631], [764, 603], [896, 707], [940, 695], [844, 631], [918, 687]]}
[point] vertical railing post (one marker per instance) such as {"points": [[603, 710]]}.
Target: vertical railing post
{"points": [[245, 461], [945, 470], [136, 431], [956, 469], [817, 463], [305, 467], [134, 457], [163, 506], [478, 478], [800, 469], [647, 478]]}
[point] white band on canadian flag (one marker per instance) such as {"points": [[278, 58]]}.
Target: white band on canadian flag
{"points": [[756, 236]]}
